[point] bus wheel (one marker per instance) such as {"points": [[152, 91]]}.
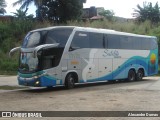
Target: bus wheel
{"points": [[49, 87], [131, 75], [70, 81], [140, 75]]}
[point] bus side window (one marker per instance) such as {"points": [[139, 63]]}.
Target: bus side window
{"points": [[96, 40], [51, 38], [153, 43], [137, 45], [126, 42], [146, 44], [58, 36], [80, 40], [113, 41]]}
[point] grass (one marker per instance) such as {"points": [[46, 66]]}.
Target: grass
{"points": [[8, 72], [6, 87]]}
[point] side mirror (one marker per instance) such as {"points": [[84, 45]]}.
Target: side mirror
{"points": [[45, 46], [13, 50]]}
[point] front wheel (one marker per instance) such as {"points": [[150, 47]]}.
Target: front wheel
{"points": [[131, 75], [140, 75], [70, 81]]}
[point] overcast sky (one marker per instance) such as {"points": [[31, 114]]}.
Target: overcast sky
{"points": [[122, 8]]}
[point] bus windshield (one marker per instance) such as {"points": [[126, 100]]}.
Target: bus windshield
{"points": [[34, 39], [51, 56], [31, 40]]}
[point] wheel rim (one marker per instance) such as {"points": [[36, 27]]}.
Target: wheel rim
{"points": [[131, 76], [140, 75], [71, 81]]}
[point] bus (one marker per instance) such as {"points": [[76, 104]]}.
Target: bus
{"points": [[67, 55]]}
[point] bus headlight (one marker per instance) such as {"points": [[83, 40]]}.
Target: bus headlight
{"points": [[35, 77], [37, 83]]}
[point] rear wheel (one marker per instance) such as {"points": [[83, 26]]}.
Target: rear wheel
{"points": [[70, 81], [131, 75], [139, 75]]}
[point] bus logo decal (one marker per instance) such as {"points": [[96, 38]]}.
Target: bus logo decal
{"points": [[110, 53]]}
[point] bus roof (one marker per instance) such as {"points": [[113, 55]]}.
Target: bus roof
{"points": [[97, 30]]}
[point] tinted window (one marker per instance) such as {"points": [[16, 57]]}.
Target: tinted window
{"points": [[96, 40], [146, 44], [113, 42], [130, 42], [126, 42], [153, 43], [80, 40], [32, 40], [58, 36], [149, 44]]}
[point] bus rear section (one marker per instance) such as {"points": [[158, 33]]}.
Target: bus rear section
{"points": [[111, 55]]}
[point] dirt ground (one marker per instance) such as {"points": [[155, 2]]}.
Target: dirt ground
{"points": [[120, 96]]}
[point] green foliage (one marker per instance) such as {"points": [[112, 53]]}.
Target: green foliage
{"points": [[54, 10], [12, 34], [148, 12], [2, 6], [108, 14], [2, 11], [60, 11], [22, 15], [25, 3]]}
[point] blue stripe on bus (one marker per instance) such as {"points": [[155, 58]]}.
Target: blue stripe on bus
{"points": [[134, 62]]}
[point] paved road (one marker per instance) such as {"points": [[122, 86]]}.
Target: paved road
{"points": [[8, 80], [121, 96]]}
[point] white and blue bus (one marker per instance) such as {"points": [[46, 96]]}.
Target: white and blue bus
{"points": [[65, 55]]}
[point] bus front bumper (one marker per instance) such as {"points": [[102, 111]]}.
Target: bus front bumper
{"points": [[43, 81]]}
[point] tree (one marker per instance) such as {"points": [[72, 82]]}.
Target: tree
{"points": [[25, 3], [60, 10], [147, 12], [108, 14], [54, 10], [2, 6], [22, 15]]}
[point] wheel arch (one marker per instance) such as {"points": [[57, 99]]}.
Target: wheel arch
{"points": [[132, 69], [74, 73]]}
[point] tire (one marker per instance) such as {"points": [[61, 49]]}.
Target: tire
{"points": [[139, 75], [70, 81], [111, 81], [49, 87], [131, 75]]}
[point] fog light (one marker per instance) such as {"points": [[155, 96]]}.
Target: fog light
{"points": [[37, 82]]}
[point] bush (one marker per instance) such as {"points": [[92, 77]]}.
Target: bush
{"points": [[12, 34]]}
